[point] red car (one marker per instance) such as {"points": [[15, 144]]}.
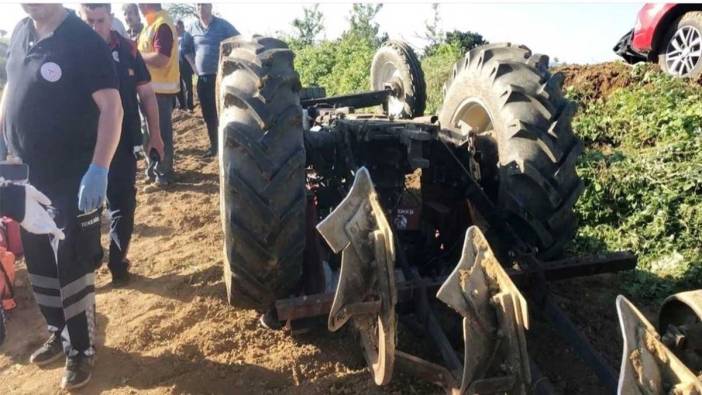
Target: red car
{"points": [[667, 33]]}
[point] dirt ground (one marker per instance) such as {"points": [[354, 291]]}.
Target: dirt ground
{"points": [[171, 330], [598, 80]]}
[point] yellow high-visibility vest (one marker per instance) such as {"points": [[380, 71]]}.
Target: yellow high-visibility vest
{"points": [[165, 80]]}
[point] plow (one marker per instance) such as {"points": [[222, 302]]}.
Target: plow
{"points": [[448, 224]]}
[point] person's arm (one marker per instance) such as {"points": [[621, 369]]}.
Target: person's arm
{"points": [[191, 60], [231, 30], [163, 43], [109, 125], [93, 185], [155, 59], [189, 49], [147, 97]]}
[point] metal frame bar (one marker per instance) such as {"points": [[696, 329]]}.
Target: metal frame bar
{"points": [[319, 304], [357, 100]]}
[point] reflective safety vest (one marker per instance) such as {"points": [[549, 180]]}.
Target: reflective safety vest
{"points": [[165, 80]]}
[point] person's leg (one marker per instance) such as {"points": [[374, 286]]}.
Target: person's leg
{"points": [[206, 93], [121, 198], [65, 288], [188, 80], [181, 95], [77, 260], [164, 170], [43, 276], [150, 170]]}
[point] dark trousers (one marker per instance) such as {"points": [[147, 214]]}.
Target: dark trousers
{"points": [[208, 104], [185, 96], [121, 201], [65, 289]]}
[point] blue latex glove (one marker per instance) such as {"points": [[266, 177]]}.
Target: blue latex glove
{"points": [[93, 188]]}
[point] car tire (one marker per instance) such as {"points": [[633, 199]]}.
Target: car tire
{"points": [[686, 32]]}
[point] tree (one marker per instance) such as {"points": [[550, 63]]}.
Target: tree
{"points": [[181, 11], [433, 33], [309, 26], [465, 41], [363, 25]]}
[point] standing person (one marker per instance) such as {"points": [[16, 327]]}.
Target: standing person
{"points": [[185, 97], [131, 17], [62, 115], [159, 49], [207, 33], [134, 85]]}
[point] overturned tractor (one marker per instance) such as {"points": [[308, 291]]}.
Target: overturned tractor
{"points": [[362, 217]]}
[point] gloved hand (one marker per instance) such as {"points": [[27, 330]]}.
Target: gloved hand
{"points": [[37, 219], [93, 188]]}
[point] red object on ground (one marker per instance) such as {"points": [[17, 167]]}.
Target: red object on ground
{"points": [[10, 237]]}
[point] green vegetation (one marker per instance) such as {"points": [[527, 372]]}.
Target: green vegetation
{"points": [[643, 171]]}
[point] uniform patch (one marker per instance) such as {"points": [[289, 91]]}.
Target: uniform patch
{"points": [[115, 56], [131, 72], [50, 71]]}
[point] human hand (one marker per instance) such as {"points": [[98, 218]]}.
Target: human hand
{"points": [[93, 188], [37, 219], [156, 142]]}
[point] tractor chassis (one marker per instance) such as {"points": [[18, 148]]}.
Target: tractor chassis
{"points": [[532, 275]]}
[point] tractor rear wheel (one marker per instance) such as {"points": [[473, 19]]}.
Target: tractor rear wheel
{"points": [[262, 171], [504, 98]]}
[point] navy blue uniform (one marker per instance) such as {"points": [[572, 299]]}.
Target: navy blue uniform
{"points": [[51, 123], [121, 192]]}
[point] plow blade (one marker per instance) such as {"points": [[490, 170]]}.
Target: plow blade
{"points": [[648, 366], [365, 293], [495, 318]]}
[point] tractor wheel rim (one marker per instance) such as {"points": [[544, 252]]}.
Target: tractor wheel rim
{"points": [[389, 73], [473, 113], [684, 51]]}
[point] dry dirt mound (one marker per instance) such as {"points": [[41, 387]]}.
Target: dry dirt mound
{"points": [[597, 80]]}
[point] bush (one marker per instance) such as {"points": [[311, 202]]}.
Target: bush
{"points": [[437, 70], [341, 66], [643, 173]]}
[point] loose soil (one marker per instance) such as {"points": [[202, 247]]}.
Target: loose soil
{"points": [[171, 331]]}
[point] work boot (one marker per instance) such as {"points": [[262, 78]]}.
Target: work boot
{"points": [[210, 153], [269, 320], [120, 278], [49, 352], [79, 370]]}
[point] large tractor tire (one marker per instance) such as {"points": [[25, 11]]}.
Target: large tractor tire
{"points": [[262, 171], [396, 64], [505, 97]]}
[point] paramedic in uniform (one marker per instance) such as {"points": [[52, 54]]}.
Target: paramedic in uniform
{"points": [[134, 86], [61, 115]]}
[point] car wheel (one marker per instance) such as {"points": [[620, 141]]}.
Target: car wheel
{"points": [[681, 49]]}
